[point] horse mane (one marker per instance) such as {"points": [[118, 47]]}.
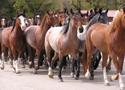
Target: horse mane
{"points": [[66, 26], [116, 23], [93, 20], [14, 24], [43, 21]]}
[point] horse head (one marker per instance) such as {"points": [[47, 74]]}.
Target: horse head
{"points": [[21, 20], [100, 16], [77, 19], [52, 18], [119, 19], [62, 15]]}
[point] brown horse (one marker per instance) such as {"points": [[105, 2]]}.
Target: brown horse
{"points": [[109, 39], [63, 40], [13, 38], [35, 36]]}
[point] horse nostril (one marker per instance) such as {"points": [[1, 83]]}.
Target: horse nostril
{"points": [[81, 29]]}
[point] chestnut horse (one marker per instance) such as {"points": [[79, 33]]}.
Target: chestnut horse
{"points": [[35, 36], [96, 16], [63, 40], [13, 38], [109, 39]]}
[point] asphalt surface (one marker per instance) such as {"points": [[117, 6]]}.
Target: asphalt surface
{"points": [[26, 80]]}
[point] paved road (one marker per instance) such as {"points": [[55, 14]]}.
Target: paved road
{"points": [[26, 80]]}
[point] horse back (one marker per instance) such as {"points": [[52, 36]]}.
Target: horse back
{"points": [[96, 34]]}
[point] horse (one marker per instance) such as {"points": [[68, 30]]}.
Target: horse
{"points": [[109, 39], [63, 40], [12, 38], [99, 16], [35, 36]]}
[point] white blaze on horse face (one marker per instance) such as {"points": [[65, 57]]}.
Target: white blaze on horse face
{"points": [[23, 22], [3, 22]]}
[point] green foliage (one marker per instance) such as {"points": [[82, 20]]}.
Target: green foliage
{"points": [[8, 8]]}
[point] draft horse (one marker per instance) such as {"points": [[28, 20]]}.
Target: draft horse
{"points": [[109, 39]]}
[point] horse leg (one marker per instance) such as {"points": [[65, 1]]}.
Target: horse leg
{"points": [[109, 64], [96, 58], [121, 62], [60, 67], [31, 56], [73, 68], [15, 61], [11, 58], [119, 70], [89, 63], [104, 64], [78, 68], [55, 57], [48, 50], [37, 61], [3, 57]]}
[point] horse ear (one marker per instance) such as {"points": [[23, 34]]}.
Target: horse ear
{"points": [[71, 11], [87, 13], [106, 11], [100, 10], [48, 12], [95, 10], [123, 9], [66, 11], [79, 10], [24, 12]]}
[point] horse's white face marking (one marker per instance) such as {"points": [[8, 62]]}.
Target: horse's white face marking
{"points": [[23, 22], [3, 21]]}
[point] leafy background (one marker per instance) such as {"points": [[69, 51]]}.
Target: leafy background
{"points": [[8, 8]]}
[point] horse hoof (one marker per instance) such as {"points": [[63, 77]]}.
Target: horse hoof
{"points": [[122, 88], [61, 80], [72, 74], [114, 77], [91, 78], [2, 68], [35, 71], [23, 66], [76, 78], [50, 76], [17, 72], [107, 84]]}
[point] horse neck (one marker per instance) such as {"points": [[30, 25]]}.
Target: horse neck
{"points": [[72, 34], [44, 26], [92, 21], [117, 27], [17, 29]]}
